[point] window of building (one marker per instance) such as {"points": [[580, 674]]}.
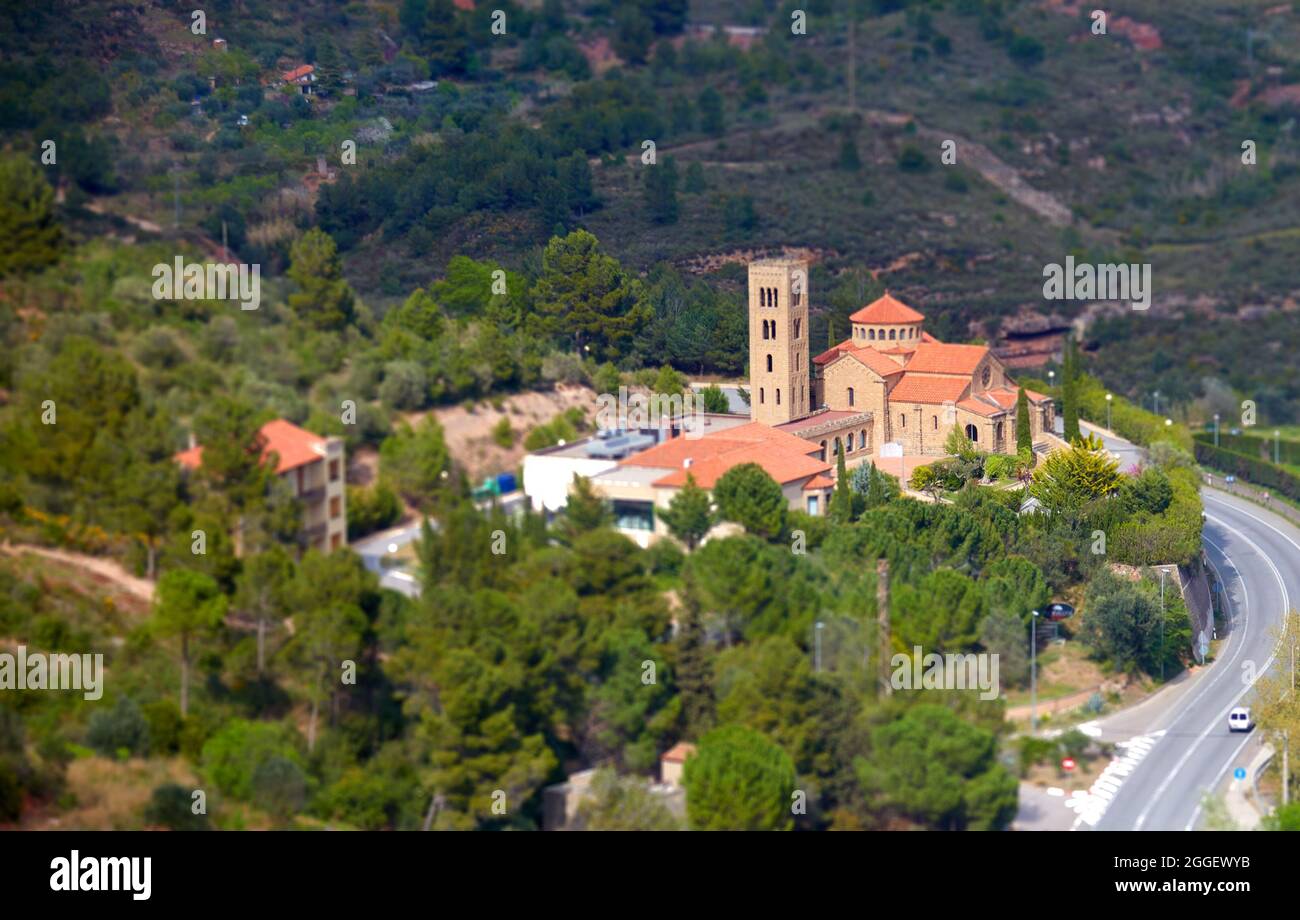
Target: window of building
{"points": [[902, 420], [334, 471], [336, 507], [796, 328], [848, 444], [839, 446], [796, 360], [871, 334], [762, 297], [769, 364], [850, 396], [778, 396], [823, 454], [891, 335], [936, 423], [862, 439], [629, 515], [812, 505], [761, 398], [776, 297], [972, 432]]}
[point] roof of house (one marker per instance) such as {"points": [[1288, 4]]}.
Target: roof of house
{"points": [[671, 454], [878, 361], [678, 752], [939, 358], [819, 482], [297, 73], [1006, 396], [919, 389], [783, 465], [887, 310], [293, 446]]}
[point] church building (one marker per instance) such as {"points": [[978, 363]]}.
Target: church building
{"points": [[889, 381]]}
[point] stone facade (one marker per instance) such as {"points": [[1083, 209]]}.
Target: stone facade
{"points": [[778, 341]]}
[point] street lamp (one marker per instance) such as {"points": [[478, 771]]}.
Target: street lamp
{"points": [[1033, 674], [1109, 397], [818, 634], [1216, 429], [1277, 444], [1162, 622]]}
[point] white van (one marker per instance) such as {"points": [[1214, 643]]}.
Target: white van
{"points": [[1239, 720]]}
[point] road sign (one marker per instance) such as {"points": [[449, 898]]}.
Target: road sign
{"points": [[1068, 764], [1239, 773]]}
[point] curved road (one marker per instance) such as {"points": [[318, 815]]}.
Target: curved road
{"points": [[1185, 749]]}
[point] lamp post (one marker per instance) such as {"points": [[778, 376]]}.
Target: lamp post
{"points": [[818, 634], [1216, 429], [1033, 674], [1277, 445], [1109, 397], [1162, 623]]}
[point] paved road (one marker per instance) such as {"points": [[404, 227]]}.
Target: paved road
{"points": [[1186, 749]]}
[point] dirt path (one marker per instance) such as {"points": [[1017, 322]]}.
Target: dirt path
{"points": [[106, 569]]}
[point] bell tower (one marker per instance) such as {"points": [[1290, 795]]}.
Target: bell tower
{"points": [[779, 385]]}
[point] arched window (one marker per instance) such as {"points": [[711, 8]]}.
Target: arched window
{"points": [[778, 396], [823, 457], [762, 297], [761, 396], [769, 364], [972, 432], [848, 443], [862, 439], [891, 335], [871, 334], [936, 423], [850, 396], [998, 433], [796, 328], [902, 420], [776, 297], [839, 446], [801, 404], [796, 360]]}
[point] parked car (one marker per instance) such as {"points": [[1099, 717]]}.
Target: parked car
{"points": [[1239, 720]]}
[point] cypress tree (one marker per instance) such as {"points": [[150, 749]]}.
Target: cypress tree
{"points": [[1024, 433]]}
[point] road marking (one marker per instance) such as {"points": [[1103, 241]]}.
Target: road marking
{"points": [[1218, 720], [1091, 805]]}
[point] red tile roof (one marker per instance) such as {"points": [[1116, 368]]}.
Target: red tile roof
{"points": [[671, 454], [936, 390], [834, 352], [886, 311], [784, 466], [679, 752], [981, 407], [937, 358], [818, 482], [293, 446], [878, 361], [297, 73]]}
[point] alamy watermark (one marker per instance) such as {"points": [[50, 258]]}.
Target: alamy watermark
{"points": [[40, 671], [640, 411], [209, 281], [1109, 281], [932, 671]]}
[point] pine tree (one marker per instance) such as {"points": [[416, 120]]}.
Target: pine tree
{"points": [[694, 672], [1024, 433], [689, 514], [661, 192], [849, 159]]}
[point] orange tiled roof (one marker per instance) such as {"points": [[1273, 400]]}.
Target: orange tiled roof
{"points": [[1006, 396], [782, 465], [679, 752], [819, 482], [297, 73], [834, 352], [938, 358], [877, 360], [293, 446], [982, 407], [886, 310], [937, 390], [671, 454]]}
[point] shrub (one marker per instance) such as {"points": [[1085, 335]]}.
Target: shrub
{"points": [[502, 434], [172, 806], [122, 728]]}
